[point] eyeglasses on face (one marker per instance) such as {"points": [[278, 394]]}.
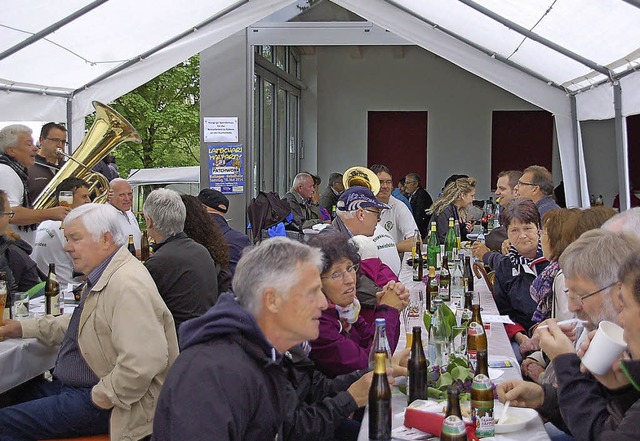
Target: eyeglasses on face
{"points": [[386, 182], [526, 183], [58, 141], [337, 275], [580, 299], [377, 213], [10, 214]]}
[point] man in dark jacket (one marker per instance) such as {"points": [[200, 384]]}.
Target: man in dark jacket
{"points": [[228, 382], [420, 201], [183, 270], [53, 136], [217, 205], [334, 189]]}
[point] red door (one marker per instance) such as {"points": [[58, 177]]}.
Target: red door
{"points": [[399, 141]]}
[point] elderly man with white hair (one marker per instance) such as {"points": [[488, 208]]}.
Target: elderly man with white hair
{"points": [[17, 154], [184, 272], [115, 349]]}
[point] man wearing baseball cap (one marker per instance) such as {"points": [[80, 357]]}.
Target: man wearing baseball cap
{"points": [[217, 204]]}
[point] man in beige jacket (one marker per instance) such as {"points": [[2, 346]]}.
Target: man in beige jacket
{"points": [[116, 348]]}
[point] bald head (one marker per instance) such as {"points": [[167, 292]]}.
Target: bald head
{"points": [[121, 194]]}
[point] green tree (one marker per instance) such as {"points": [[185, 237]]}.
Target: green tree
{"points": [[166, 113]]}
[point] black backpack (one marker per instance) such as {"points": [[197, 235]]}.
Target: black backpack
{"points": [[265, 211]]}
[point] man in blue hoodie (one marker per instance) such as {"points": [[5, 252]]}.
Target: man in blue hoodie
{"points": [[228, 382]]}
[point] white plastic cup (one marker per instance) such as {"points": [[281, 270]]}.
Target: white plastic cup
{"points": [[605, 348]]}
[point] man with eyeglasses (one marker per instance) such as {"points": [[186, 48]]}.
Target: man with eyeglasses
{"points": [[17, 154], [420, 201], [590, 265], [536, 184], [398, 220], [53, 136]]}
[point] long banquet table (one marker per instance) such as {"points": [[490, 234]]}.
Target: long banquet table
{"points": [[499, 348], [22, 359]]}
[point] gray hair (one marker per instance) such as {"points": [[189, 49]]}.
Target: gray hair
{"points": [[300, 178], [346, 214], [414, 177], [9, 135], [99, 219], [3, 196], [627, 223], [541, 177], [334, 178], [271, 264], [166, 210], [597, 256]]}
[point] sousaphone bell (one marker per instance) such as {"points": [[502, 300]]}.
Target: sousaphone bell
{"points": [[361, 176]]}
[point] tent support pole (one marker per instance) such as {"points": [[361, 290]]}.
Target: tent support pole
{"points": [[69, 125], [621, 148], [533, 36], [50, 29], [635, 3], [576, 144]]}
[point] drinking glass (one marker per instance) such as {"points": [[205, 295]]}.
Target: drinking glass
{"points": [[65, 198], [20, 305], [459, 341]]}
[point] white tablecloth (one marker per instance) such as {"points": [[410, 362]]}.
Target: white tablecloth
{"points": [[22, 359], [499, 348]]}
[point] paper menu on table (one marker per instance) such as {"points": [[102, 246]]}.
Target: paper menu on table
{"points": [[493, 318]]}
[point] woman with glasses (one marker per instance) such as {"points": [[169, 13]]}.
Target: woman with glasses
{"points": [[515, 271], [455, 199], [345, 337], [22, 271]]}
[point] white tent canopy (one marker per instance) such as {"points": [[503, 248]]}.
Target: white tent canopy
{"points": [[575, 58]]}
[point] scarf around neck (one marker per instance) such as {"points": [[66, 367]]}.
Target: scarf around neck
{"points": [[21, 171]]}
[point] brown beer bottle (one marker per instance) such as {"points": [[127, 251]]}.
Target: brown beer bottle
{"points": [[453, 428], [468, 308], [432, 289], [476, 337], [5, 298], [482, 398], [467, 273], [380, 401], [417, 257], [144, 246], [417, 368], [52, 292], [132, 247]]}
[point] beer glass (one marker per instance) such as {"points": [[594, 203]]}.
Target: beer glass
{"points": [[65, 198]]}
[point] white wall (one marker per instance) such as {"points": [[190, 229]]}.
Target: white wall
{"points": [[459, 108], [599, 143]]}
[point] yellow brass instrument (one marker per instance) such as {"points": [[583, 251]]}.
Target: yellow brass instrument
{"points": [[361, 176], [108, 130]]}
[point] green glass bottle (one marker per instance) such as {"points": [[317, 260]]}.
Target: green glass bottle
{"points": [[433, 246], [451, 241]]}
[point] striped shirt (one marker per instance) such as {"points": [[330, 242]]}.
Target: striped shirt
{"points": [[71, 368]]}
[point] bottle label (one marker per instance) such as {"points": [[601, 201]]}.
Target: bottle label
{"points": [[475, 328], [482, 409], [453, 425], [54, 304]]}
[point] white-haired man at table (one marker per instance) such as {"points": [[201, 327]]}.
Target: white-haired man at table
{"points": [[590, 265], [116, 348]]}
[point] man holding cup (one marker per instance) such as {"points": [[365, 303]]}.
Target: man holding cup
{"points": [[591, 266]]}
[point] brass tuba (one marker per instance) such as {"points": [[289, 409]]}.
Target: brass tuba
{"points": [[108, 130], [361, 176]]}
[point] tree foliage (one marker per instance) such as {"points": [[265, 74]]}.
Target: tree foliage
{"points": [[166, 113]]}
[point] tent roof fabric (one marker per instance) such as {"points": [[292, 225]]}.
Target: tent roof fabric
{"points": [[98, 49]]}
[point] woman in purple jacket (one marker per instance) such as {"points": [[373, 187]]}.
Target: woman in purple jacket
{"points": [[345, 337]]}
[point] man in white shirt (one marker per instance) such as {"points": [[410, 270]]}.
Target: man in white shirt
{"points": [[121, 197], [398, 220], [50, 241], [17, 154]]}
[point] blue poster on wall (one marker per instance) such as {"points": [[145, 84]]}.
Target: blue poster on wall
{"points": [[226, 168]]}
